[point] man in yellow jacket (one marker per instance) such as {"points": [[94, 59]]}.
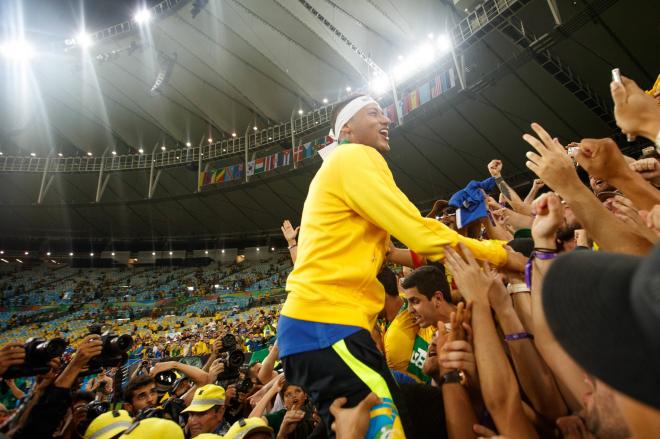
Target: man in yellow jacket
{"points": [[352, 207]]}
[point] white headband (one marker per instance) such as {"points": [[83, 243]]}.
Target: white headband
{"points": [[343, 117]]}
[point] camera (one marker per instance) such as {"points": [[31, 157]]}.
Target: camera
{"points": [[38, 353], [232, 357], [171, 409], [244, 385], [113, 353], [96, 408]]}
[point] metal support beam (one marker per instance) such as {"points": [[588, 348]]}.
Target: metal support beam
{"points": [[100, 184], [199, 164], [459, 65], [151, 171], [100, 190], [44, 185], [555, 11], [246, 159], [293, 143]]}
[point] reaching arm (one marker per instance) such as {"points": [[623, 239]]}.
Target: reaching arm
{"points": [[266, 373], [18, 393], [290, 235], [273, 389], [533, 191], [495, 169], [194, 373]]}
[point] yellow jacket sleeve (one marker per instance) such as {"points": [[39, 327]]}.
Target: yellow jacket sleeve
{"points": [[370, 191]]}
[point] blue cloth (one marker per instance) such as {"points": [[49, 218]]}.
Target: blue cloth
{"points": [[295, 336], [470, 202]]}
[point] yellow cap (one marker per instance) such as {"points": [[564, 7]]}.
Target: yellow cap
{"points": [[153, 428], [208, 436], [206, 398], [108, 424], [243, 427]]}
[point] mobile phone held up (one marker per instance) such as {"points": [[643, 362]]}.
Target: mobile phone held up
{"points": [[616, 77]]}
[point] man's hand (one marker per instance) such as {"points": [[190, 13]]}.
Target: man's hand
{"points": [[572, 427], [602, 159], [549, 217], [648, 168], [472, 282], [161, 367], [550, 161], [217, 367], [352, 423], [289, 232], [291, 420], [231, 393], [458, 354], [90, 347], [11, 354], [652, 218], [625, 211], [636, 113], [538, 184], [495, 168]]}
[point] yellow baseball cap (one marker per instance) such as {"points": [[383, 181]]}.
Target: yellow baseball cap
{"points": [[206, 398], [244, 427], [208, 436], [153, 428], [108, 425]]}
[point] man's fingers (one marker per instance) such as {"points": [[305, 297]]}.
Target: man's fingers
{"points": [[336, 405], [370, 401], [535, 143], [618, 92], [480, 429]]}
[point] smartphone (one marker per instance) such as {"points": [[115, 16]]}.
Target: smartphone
{"points": [[616, 77]]}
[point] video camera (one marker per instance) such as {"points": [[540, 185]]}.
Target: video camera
{"points": [[38, 353], [114, 351], [232, 357], [170, 409]]}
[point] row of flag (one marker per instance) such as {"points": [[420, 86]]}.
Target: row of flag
{"points": [[409, 102], [264, 164]]}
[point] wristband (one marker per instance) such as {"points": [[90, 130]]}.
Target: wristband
{"points": [[417, 260], [518, 336], [517, 288], [456, 376], [542, 255], [292, 246]]}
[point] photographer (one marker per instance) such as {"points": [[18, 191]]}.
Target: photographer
{"points": [[101, 385], [41, 418], [206, 411], [140, 393]]}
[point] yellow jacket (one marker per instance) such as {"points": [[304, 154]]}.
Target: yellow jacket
{"points": [[352, 207]]}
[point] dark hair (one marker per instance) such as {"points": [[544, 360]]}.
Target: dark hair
{"points": [[136, 383], [388, 279], [429, 279], [338, 107]]}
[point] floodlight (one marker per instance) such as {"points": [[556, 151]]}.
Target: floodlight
{"points": [[163, 148], [143, 16], [233, 134], [444, 43], [114, 152], [84, 40], [18, 50], [325, 100], [89, 154], [141, 151], [300, 112], [32, 154], [91, 254], [380, 84], [188, 144], [59, 154], [255, 128]]}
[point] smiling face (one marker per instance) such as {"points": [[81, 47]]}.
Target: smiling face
{"points": [[424, 310], [369, 127]]}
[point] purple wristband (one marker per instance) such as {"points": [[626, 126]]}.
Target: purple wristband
{"points": [[518, 336], [544, 256]]}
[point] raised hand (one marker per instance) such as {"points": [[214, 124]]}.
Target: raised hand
{"points": [[549, 217], [471, 280], [652, 218], [636, 113], [602, 159], [648, 168], [495, 168], [550, 161], [11, 354], [289, 232], [90, 347], [291, 420], [352, 423]]}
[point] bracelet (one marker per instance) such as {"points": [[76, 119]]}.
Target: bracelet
{"points": [[542, 255], [518, 336], [517, 288], [292, 246]]}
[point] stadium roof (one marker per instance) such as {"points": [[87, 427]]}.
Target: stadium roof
{"points": [[235, 64]]}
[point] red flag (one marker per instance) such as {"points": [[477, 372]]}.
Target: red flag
{"points": [[297, 153]]}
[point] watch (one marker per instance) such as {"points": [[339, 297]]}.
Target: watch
{"points": [[455, 376]]}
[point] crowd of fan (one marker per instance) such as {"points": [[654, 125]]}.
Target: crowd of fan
{"points": [[568, 347]]}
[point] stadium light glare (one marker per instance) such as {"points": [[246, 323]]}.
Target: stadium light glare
{"points": [[59, 154], [210, 140], [325, 100], [163, 148], [26, 253], [216, 286], [206, 252], [300, 111], [223, 251], [233, 134], [112, 254], [258, 249], [32, 154], [19, 261], [2, 252], [91, 254], [171, 253], [84, 40], [2, 153], [272, 249], [153, 253], [188, 144], [348, 89], [114, 152], [89, 153], [255, 128], [18, 50], [4, 260], [444, 43], [143, 16], [141, 151], [380, 84], [47, 253], [70, 254], [270, 138], [190, 288]]}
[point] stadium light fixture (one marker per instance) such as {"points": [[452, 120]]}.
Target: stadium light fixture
{"points": [[444, 44], [171, 253], [89, 153], [188, 144], [233, 134], [4, 260], [141, 151], [70, 254], [348, 89], [26, 253], [32, 154], [47, 253], [190, 288], [216, 286], [210, 139], [114, 152], [223, 251], [18, 50], [143, 16], [83, 40], [59, 154], [380, 84], [270, 138], [112, 254], [206, 252], [300, 111], [91, 254], [163, 148], [19, 261], [325, 100], [272, 249], [258, 249], [153, 253], [2, 252], [255, 128]]}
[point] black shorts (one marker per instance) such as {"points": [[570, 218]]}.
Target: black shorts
{"points": [[352, 368]]}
